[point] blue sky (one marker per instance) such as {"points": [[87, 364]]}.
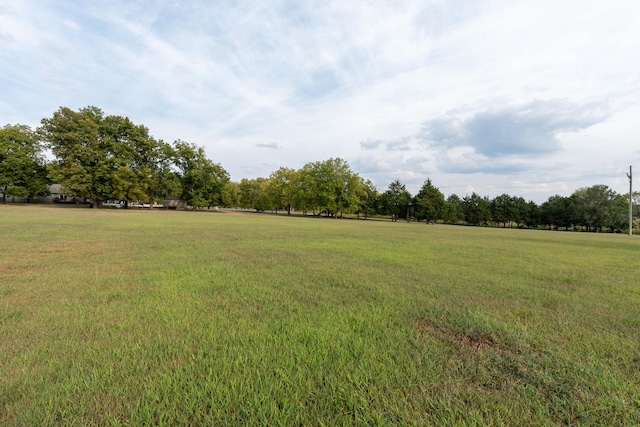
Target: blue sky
{"points": [[529, 98]]}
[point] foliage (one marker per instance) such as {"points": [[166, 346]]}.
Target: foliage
{"points": [[556, 212], [369, 199], [500, 209], [456, 211], [599, 207], [533, 216], [283, 185], [396, 200], [102, 158], [254, 194], [85, 159], [429, 203], [231, 195], [594, 209], [202, 181], [477, 210], [22, 168], [328, 186]]}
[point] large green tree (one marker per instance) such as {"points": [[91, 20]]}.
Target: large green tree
{"points": [[477, 209], [283, 185], [501, 207], [429, 202], [457, 213], [22, 166], [202, 181], [396, 200], [141, 164], [533, 216], [255, 194], [598, 207], [84, 163], [556, 212], [369, 199], [102, 157], [328, 186], [231, 195]]}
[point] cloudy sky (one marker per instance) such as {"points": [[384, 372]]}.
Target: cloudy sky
{"points": [[531, 98]]}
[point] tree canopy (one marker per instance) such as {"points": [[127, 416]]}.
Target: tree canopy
{"points": [[429, 203], [100, 157], [202, 181], [22, 165], [396, 200], [107, 157]]}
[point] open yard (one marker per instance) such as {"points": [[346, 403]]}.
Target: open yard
{"points": [[115, 317]]}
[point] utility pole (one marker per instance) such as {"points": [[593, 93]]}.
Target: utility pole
{"points": [[630, 202]]}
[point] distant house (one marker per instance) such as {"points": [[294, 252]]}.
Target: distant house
{"points": [[55, 192], [56, 195]]}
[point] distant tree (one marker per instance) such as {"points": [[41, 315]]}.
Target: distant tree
{"points": [[477, 210], [348, 188], [131, 154], [22, 166], [369, 199], [315, 192], [283, 185], [517, 210], [396, 200], [329, 186], [202, 181], [429, 203], [449, 214], [231, 195], [619, 214], [532, 217], [556, 212], [501, 209], [254, 194], [600, 207], [458, 209], [156, 169]]}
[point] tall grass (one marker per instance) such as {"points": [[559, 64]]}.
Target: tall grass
{"points": [[116, 317]]}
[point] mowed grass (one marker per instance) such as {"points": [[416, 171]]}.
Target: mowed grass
{"points": [[115, 317]]}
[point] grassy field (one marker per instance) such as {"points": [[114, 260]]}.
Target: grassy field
{"points": [[117, 317]]}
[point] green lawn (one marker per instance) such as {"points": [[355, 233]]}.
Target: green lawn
{"points": [[115, 317]]}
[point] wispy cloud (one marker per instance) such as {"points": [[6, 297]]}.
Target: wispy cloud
{"points": [[399, 144], [271, 145], [399, 89]]}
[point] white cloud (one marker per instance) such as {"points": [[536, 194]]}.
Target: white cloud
{"points": [[351, 80], [525, 129]]}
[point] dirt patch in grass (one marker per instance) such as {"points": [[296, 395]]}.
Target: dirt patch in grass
{"points": [[493, 359], [467, 338]]}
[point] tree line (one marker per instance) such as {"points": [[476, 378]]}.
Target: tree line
{"points": [[99, 157]]}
